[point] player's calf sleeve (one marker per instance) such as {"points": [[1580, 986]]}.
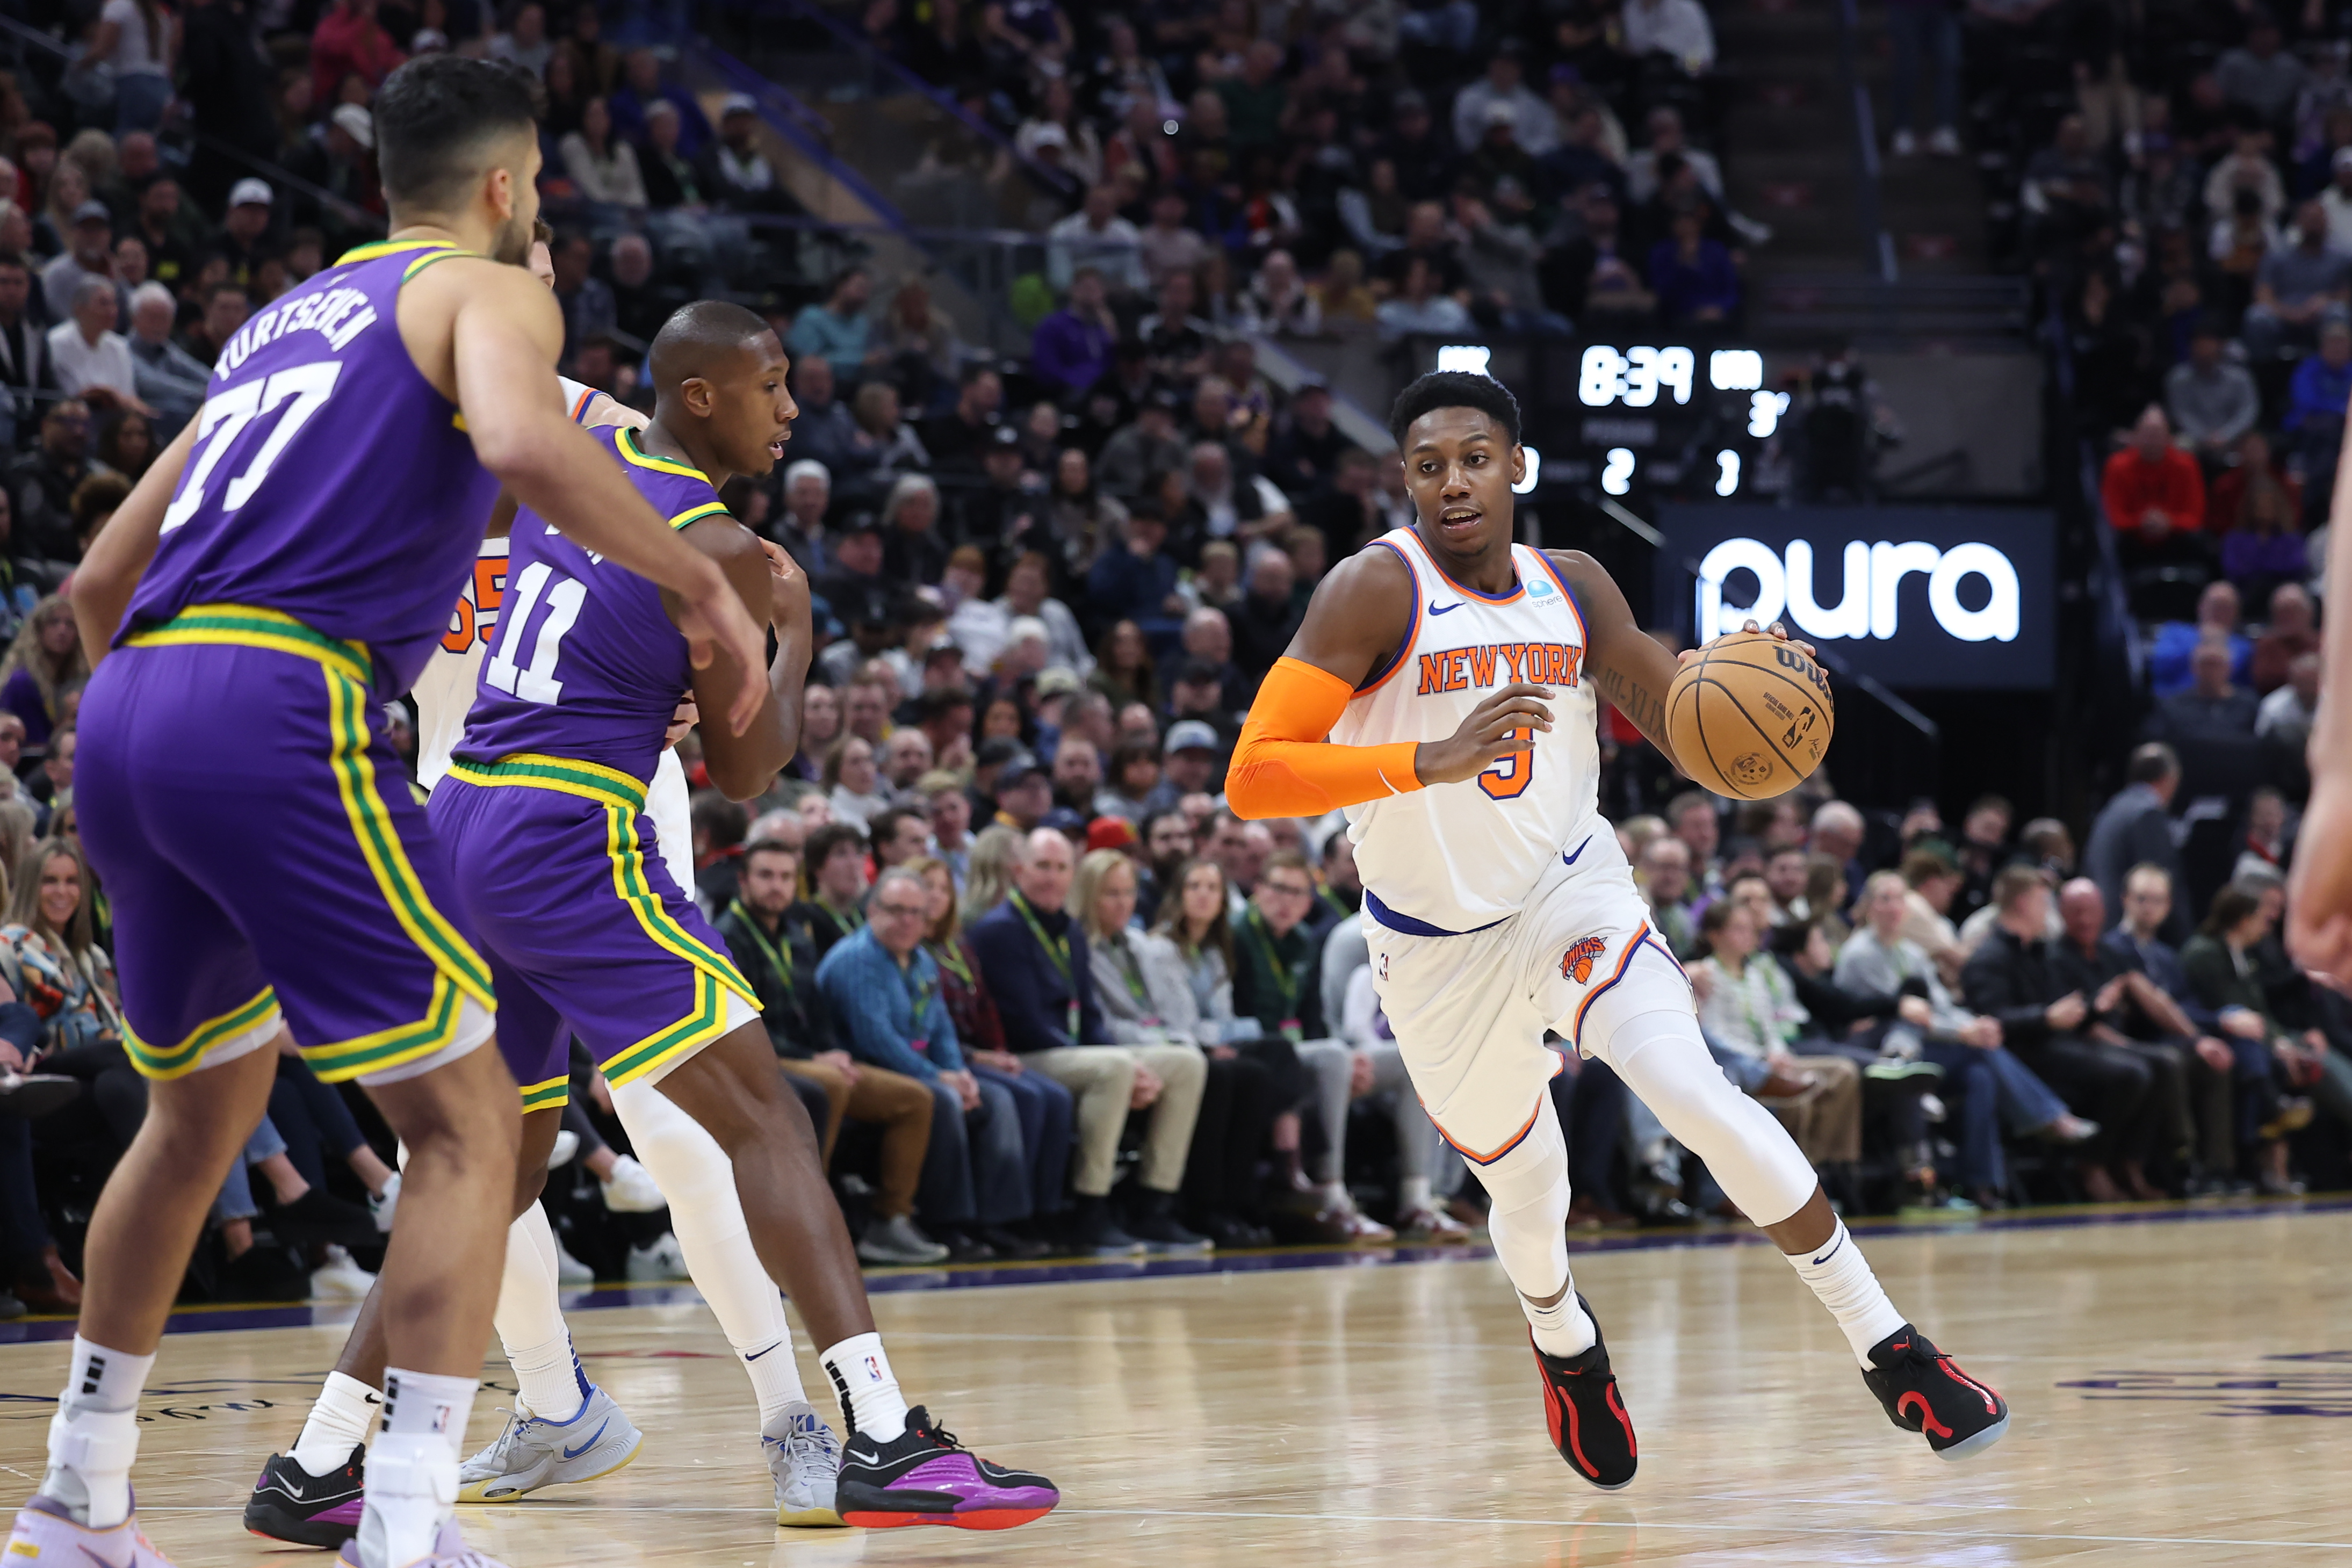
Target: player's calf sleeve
{"points": [[1661, 1059], [529, 1320], [707, 1216], [1528, 1225]]}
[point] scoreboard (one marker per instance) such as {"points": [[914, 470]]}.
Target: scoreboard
{"points": [[1660, 421]]}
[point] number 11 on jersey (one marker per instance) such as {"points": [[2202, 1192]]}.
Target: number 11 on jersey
{"points": [[536, 683]]}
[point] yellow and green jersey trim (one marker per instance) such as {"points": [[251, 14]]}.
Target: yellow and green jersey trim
{"points": [[552, 1095], [624, 800], [179, 1060], [696, 514], [251, 626], [569, 776], [624, 441], [376, 250]]}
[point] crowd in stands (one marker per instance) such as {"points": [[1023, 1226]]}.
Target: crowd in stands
{"points": [[1040, 992], [2181, 184]]}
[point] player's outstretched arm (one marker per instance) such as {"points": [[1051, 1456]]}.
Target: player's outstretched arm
{"points": [[742, 764], [1285, 765], [2319, 885], [505, 335], [117, 559]]}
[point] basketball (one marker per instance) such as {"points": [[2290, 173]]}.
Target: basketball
{"points": [[1750, 717]]}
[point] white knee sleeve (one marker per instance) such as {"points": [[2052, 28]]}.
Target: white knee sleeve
{"points": [[529, 1311], [695, 1174], [706, 1215], [1661, 1059], [1528, 1221]]}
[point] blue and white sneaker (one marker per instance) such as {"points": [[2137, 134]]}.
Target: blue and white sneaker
{"points": [[805, 1457], [533, 1453]]}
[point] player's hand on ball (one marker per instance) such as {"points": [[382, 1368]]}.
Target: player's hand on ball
{"points": [[1503, 724], [1748, 628]]}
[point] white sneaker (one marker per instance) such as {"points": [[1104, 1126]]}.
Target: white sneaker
{"points": [[658, 1260], [382, 1203], [1905, 145], [570, 1271], [898, 1240], [567, 1143], [531, 1453], [632, 1190], [341, 1277], [1944, 141], [805, 1458]]}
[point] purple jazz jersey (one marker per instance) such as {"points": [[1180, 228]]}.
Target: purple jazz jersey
{"points": [[330, 481], [585, 662], [543, 806], [237, 793], [264, 854]]}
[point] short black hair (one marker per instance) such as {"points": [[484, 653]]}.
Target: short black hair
{"points": [[432, 117], [1455, 388], [698, 337]]}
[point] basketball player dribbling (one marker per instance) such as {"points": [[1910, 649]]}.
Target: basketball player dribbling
{"points": [[314, 1493], [271, 874], [1457, 676]]}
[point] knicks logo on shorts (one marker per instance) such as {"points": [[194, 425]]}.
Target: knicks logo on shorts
{"points": [[1578, 961]]}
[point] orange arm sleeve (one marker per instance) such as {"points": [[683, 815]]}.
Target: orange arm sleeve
{"points": [[1287, 767]]}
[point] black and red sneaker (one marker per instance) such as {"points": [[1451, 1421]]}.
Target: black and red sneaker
{"points": [[1925, 1392], [1588, 1424]]}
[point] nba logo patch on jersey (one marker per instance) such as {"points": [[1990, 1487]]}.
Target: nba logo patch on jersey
{"points": [[1578, 961]]}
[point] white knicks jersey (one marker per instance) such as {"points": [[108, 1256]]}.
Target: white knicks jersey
{"points": [[1453, 857]]}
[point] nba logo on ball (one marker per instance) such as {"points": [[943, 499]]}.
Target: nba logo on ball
{"points": [[1749, 717]]}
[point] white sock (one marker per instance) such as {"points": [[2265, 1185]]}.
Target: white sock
{"points": [[1412, 1194], [871, 1402], [94, 1435], [705, 1214], [530, 1320], [339, 1420], [412, 1468], [1561, 1329], [1840, 1277], [1333, 1194]]}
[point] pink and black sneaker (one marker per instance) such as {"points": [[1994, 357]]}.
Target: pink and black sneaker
{"points": [[926, 1477], [289, 1503]]}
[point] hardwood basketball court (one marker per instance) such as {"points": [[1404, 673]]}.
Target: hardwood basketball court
{"points": [[2177, 1376]]}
